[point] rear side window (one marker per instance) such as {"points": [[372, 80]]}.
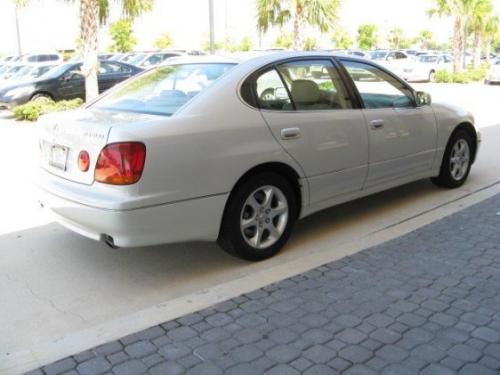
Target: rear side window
{"points": [[303, 85]]}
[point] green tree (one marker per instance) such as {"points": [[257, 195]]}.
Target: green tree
{"points": [[367, 36], [310, 43], [341, 39], [426, 39], [218, 45], [164, 41], [122, 35], [284, 40], [395, 37], [317, 13], [246, 44]]}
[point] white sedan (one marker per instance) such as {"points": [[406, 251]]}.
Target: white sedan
{"points": [[425, 67], [207, 149], [493, 75]]}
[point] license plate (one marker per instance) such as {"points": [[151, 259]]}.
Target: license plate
{"points": [[58, 156]]}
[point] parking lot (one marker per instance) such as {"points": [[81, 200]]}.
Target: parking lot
{"points": [[62, 294]]}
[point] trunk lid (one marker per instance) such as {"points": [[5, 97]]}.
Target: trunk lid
{"points": [[64, 135]]}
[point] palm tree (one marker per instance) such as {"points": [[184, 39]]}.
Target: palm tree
{"points": [[317, 13], [482, 15], [94, 13], [491, 31], [462, 11]]}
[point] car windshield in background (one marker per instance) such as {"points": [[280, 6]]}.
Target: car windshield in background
{"points": [[428, 59], [378, 55], [163, 90], [57, 71]]}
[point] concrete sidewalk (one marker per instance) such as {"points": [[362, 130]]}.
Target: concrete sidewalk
{"points": [[426, 302]]}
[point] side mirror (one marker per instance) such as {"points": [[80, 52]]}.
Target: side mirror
{"points": [[423, 99]]}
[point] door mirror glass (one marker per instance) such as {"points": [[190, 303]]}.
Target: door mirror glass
{"points": [[423, 98]]}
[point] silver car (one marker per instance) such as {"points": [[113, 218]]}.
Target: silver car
{"points": [[207, 148]]}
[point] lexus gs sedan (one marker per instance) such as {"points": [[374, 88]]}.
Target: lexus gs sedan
{"points": [[209, 149]]}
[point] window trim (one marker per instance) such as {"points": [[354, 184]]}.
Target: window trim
{"points": [[251, 78], [353, 84]]}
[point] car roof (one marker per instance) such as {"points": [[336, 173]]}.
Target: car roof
{"points": [[207, 59]]}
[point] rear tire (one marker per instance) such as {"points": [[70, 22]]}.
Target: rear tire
{"points": [[40, 96], [457, 161], [259, 217]]}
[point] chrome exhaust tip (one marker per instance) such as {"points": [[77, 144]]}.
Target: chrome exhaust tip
{"points": [[108, 240]]}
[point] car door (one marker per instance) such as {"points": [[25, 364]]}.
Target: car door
{"points": [[311, 114], [111, 73], [71, 84], [402, 136]]}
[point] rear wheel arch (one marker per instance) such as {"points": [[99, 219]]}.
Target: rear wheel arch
{"points": [[280, 168]]}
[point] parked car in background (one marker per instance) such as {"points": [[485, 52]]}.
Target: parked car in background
{"points": [[10, 70], [205, 149], [494, 73], [41, 58], [424, 68], [396, 61], [64, 82], [147, 60], [30, 72]]}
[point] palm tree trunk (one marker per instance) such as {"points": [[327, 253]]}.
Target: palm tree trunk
{"points": [[89, 26], [457, 44], [488, 51], [477, 50], [298, 24]]}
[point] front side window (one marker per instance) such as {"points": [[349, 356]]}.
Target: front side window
{"points": [[377, 88], [163, 90]]}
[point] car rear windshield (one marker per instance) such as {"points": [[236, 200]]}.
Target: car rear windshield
{"points": [[163, 90], [428, 59]]}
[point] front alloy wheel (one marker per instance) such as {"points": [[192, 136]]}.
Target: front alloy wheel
{"points": [[259, 217], [457, 160]]}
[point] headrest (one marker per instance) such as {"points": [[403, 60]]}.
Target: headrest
{"points": [[305, 91]]}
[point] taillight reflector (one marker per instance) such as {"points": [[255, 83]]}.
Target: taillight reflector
{"points": [[121, 163], [83, 161]]}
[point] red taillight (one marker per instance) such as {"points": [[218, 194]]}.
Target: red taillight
{"points": [[121, 163], [83, 161]]}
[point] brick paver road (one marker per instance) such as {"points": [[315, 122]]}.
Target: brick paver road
{"points": [[427, 302]]}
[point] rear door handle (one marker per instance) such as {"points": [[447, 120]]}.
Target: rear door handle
{"points": [[377, 124], [290, 133]]}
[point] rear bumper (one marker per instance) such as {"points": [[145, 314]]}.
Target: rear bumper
{"points": [[190, 220]]}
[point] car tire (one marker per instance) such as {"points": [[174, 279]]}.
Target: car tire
{"points": [[457, 161], [40, 96], [432, 76], [255, 227]]}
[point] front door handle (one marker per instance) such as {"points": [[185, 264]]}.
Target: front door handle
{"points": [[290, 133], [377, 124]]}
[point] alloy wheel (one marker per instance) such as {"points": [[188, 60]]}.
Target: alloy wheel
{"points": [[459, 159], [264, 217]]}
